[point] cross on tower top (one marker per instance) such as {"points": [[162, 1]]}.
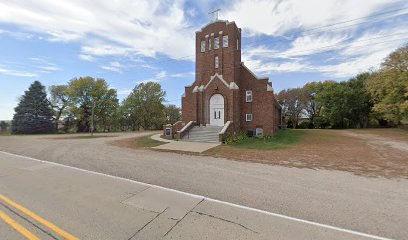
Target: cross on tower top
{"points": [[214, 14]]}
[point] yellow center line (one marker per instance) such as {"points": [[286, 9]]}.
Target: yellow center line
{"points": [[37, 218], [17, 226]]}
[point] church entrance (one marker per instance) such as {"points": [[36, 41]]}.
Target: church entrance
{"points": [[217, 110]]}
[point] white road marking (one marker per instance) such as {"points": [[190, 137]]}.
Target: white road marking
{"points": [[210, 199]]}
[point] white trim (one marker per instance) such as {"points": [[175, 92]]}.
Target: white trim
{"points": [[361, 234], [269, 88], [248, 93], [185, 127], [231, 86], [195, 89], [224, 129], [247, 116]]}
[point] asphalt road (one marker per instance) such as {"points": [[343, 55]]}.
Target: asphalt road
{"points": [[371, 205]]}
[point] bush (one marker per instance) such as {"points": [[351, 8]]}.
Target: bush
{"points": [[230, 139]]}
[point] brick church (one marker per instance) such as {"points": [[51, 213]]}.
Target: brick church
{"points": [[226, 97]]}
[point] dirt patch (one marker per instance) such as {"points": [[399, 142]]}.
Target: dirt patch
{"points": [[83, 137], [137, 143], [372, 153], [341, 150]]}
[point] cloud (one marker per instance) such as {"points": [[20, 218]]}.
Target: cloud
{"points": [[16, 73], [163, 75], [280, 17], [124, 92], [114, 67], [86, 57], [126, 28]]}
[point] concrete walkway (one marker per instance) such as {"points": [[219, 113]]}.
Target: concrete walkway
{"points": [[90, 205], [184, 146]]}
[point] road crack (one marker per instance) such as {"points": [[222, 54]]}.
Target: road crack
{"points": [[226, 220], [158, 215], [202, 200]]}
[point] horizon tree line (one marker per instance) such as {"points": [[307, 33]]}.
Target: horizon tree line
{"points": [[371, 99], [68, 108]]}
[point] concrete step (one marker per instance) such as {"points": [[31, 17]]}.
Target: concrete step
{"points": [[203, 134]]}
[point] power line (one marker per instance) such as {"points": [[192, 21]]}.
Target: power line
{"points": [[233, 67], [298, 32], [325, 47]]}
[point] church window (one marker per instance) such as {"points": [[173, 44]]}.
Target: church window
{"points": [[225, 41], [202, 46], [248, 96], [216, 43], [248, 117], [209, 45], [216, 61]]}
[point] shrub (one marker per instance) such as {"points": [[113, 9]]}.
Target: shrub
{"points": [[234, 138]]}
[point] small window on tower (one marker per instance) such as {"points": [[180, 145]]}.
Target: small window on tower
{"points": [[237, 44], [202, 46], [216, 61], [216, 43], [225, 41], [248, 96], [209, 44]]}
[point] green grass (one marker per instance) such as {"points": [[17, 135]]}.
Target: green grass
{"points": [[283, 138], [147, 142]]}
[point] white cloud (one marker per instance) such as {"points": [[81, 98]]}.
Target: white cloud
{"points": [[145, 27], [280, 17], [163, 75], [86, 57], [16, 73], [114, 67], [124, 92], [160, 76]]}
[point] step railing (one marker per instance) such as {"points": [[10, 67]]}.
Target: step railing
{"points": [[185, 130], [226, 130]]}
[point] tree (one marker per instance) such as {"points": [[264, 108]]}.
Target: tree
{"points": [[312, 108], [172, 114], [144, 106], [59, 100], [86, 93], [33, 114], [3, 126], [346, 104], [293, 103], [389, 87]]}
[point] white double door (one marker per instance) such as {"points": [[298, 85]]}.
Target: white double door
{"points": [[217, 110]]}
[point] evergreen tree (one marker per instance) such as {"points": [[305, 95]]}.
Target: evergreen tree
{"points": [[33, 114]]}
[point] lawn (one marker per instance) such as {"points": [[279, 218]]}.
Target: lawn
{"points": [[282, 139]]}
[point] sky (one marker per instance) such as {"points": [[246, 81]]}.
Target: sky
{"points": [[127, 42]]}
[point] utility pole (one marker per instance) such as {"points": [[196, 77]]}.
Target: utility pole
{"points": [[92, 119]]}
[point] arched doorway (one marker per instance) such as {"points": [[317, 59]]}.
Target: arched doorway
{"points": [[217, 110]]}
